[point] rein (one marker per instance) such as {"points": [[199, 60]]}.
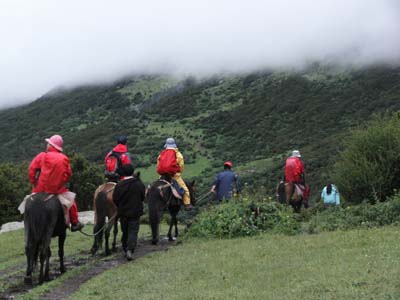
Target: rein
{"points": [[101, 229], [198, 201]]}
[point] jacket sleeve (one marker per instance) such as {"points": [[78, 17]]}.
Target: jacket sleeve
{"points": [[68, 171], [180, 161], [337, 198], [35, 166]]}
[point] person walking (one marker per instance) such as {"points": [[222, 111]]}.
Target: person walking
{"points": [[225, 183], [330, 195], [49, 171], [128, 196]]}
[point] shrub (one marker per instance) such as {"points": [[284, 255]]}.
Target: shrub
{"points": [[356, 216], [368, 168], [244, 218]]}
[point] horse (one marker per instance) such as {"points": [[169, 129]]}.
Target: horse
{"points": [[295, 196], [104, 206], [43, 219], [160, 198]]}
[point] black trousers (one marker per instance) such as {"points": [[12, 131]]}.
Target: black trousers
{"points": [[130, 230]]}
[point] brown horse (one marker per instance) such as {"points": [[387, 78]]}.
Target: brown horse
{"points": [[104, 207], [295, 196]]}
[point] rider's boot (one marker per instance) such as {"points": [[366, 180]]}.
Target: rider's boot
{"points": [[76, 227]]}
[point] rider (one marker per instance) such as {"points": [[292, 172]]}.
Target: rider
{"points": [[170, 162], [116, 159], [294, 170], [223, 183], [49, 171]]}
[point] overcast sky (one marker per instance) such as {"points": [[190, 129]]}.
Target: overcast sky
{"points": [[45, 44]]}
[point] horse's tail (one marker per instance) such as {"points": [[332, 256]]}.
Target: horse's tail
{"points": [[101, 213], [36, 221]]}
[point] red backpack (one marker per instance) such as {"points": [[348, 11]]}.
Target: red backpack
{"points": [[113, 165], [167, 163]]}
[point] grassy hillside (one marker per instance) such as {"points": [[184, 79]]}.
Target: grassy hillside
{"points": [[255, 120]]}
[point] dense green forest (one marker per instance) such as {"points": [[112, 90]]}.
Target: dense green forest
{"points": [[254, 120]]}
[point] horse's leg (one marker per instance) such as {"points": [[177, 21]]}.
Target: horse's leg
{"points": [[95, 245], [43, 255], [107, 236], [176, 225], [171, 224], [154, 218], [61, 241], [114, 244], [29, 251], [47, 267]]}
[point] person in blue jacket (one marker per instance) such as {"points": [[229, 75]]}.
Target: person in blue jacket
{"points": [[330, 195], [225, 183]]}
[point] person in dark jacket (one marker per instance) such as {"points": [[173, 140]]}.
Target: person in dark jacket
{"points": [[225, 182], [128, 196]]}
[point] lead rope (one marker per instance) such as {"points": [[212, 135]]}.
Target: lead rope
{"points": [[101, 229]]}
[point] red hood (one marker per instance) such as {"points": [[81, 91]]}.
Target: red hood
{"points": [[121, 148]]}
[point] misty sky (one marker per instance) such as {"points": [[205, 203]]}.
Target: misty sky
{"points": [[45, 44]]}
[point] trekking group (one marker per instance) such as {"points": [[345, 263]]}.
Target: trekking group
{"points": [[50, 171]]}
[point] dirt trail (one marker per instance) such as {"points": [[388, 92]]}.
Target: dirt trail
{"points": [[96, 266]]}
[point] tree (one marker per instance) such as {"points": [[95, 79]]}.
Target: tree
{"points": [[369, 166]]}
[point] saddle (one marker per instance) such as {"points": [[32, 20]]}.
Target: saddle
{"points": [[66, 199], [176, 190]]}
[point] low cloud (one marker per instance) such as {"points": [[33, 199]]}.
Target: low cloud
{"points": [[51, 43]]}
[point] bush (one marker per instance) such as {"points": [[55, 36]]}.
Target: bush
{"points": [[244, 218], [356, 216], [368, 168]]}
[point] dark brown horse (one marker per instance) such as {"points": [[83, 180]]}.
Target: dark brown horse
{"points": [[161, 198], [104, 207], [295, 196], [43, 219]]}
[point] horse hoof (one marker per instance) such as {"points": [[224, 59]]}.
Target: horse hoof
{"points": [[93, 251], [47, 278], [114, 249], [108, 252], [154, 242], [28, 280], [63, 270]]}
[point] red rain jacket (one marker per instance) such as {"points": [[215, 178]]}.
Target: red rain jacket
{"points": [[49, 172], [293, 169]]}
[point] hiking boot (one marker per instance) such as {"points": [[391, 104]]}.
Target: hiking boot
{"points": [[129, 255], [76, 227]]}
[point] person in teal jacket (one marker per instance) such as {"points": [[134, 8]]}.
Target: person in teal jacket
{"points": [[330, 195]]}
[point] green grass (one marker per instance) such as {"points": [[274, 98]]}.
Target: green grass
{"points": [[13, 260], [359, 264]]}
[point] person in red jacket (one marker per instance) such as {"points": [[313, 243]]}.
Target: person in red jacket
{"points": [[116, 159], [49, 171], [294, 176]]}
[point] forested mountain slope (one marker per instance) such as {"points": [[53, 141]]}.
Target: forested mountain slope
{"points": [[255, 120]]}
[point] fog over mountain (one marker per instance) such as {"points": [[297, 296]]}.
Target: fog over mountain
{"points": [[45, 44]]}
